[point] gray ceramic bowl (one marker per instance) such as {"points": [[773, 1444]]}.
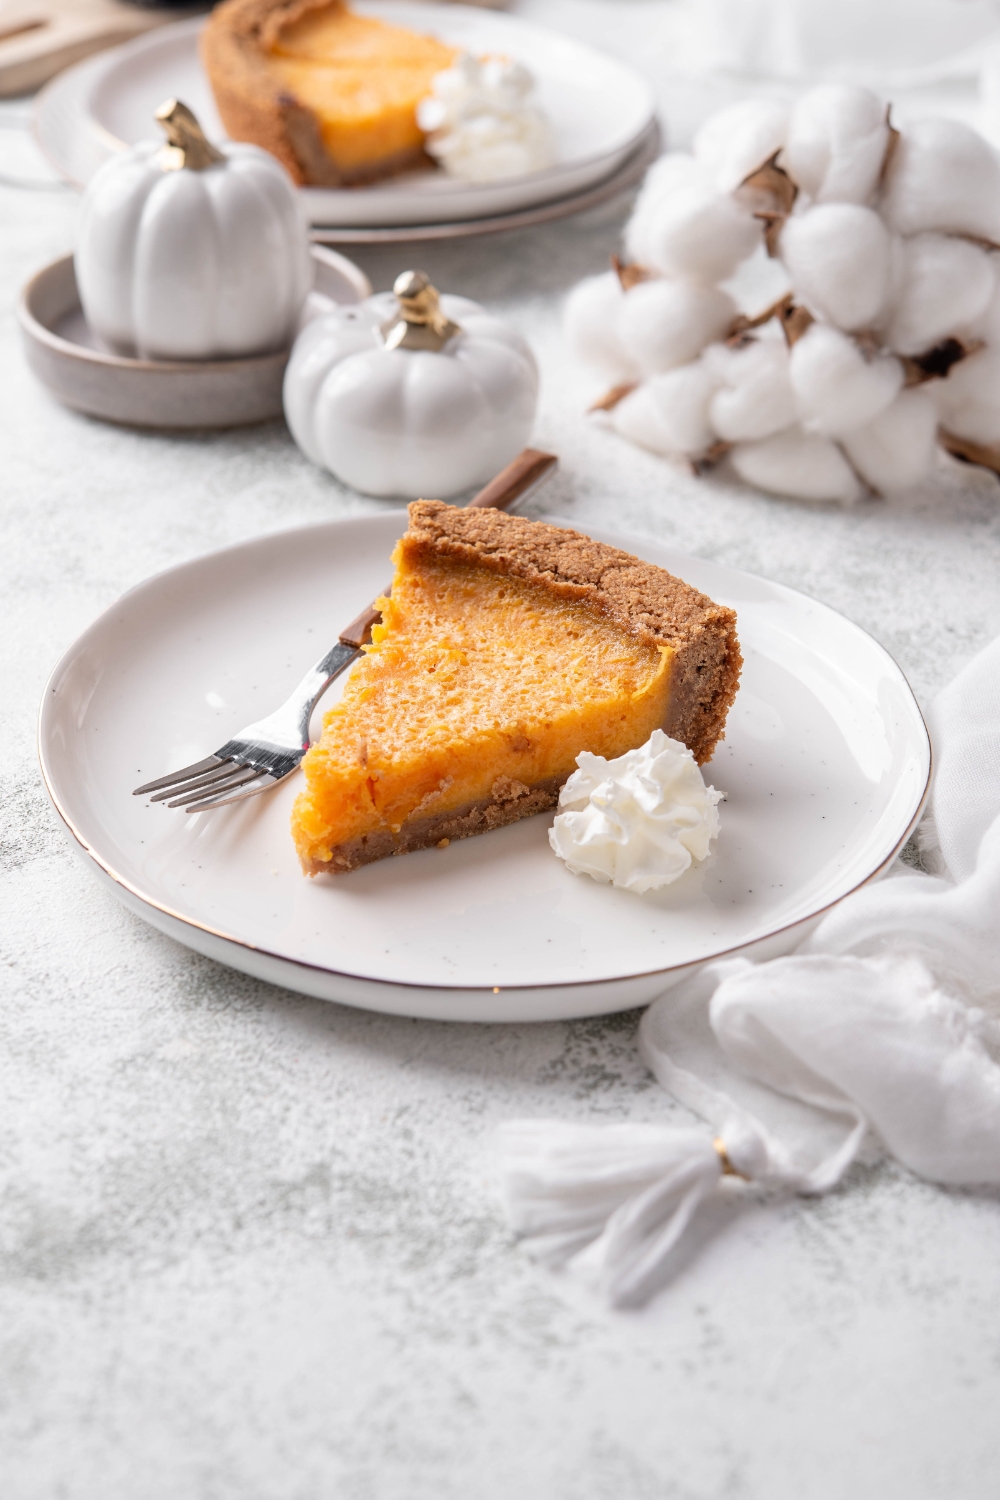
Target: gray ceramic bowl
{"points": [[61, 352]]}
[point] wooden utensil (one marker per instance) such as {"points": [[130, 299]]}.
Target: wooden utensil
{"points": [[38, 38]]}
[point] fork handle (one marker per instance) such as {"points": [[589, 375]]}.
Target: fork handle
{"points": [[521, 478]]}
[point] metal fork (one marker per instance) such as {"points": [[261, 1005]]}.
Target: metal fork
{"points": [[264, 753]]}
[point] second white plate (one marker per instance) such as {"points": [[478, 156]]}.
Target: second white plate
{"points": [[599, 108], [825, 766]]}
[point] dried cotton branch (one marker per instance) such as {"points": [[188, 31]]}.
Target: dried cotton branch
{"points": [[891, 332]]}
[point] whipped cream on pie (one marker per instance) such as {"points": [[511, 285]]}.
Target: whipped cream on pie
{"points": [[638, 821], [481, 124]]}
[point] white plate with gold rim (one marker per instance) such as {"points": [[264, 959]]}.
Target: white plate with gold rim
{"points": [[599, 108], [825, 767]]}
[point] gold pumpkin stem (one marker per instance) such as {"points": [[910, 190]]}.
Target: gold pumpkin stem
{"points": [[420, 322], [187, 145]]}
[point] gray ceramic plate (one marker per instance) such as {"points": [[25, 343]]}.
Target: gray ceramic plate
{"points": [[61, 352]]}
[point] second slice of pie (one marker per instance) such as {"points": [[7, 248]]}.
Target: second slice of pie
{"points": [[507, 647]]}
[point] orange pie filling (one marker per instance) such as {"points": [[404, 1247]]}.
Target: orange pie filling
{"points": [[478, 691], [362, 79]]}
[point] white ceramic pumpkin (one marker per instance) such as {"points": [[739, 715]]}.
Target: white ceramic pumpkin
{"points": [[410, 394], [188, 252]]}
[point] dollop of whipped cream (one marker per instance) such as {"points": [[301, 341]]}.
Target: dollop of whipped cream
{"points": [[481, 124], [638, 821]]}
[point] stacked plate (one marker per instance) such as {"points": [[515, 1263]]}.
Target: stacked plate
{"points": [[603, 114]]}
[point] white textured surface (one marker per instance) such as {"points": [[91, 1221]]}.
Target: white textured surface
{"points": [[249, 1242]]}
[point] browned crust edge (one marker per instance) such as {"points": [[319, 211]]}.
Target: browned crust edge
{"points": [[252, 105], [646, 600], [509, 801]]}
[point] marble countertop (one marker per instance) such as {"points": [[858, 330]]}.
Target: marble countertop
{"points": [[250, 1242]]}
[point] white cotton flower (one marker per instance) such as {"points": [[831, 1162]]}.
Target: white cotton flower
{"points": [[654, 326], [670, 413], [968, 402], [896, 450], [836, 388], [878, 248], [799, 464], [755, 397], [683, 226], [945, 176], [737, 140], [940, 285], [839, 257], [665, 323], [836, 143], [591, 323], [638, 821]]}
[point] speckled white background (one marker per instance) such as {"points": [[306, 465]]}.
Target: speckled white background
{"points": [[249, 1241]]}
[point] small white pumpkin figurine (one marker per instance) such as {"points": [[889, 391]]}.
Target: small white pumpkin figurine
{"points": [[188, 252], [410, 393]]}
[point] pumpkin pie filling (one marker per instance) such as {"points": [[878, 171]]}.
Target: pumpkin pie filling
{"points": [[332, 94], [506, 647]]}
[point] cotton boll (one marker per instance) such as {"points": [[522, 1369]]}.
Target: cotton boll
{"points": [[943, 176], [667, 323], [837, 141], [738, 140], [839, 257], [683, 226], [590, 323], [669, 413], [836, 388], [677, 172], [939, 286], [797, 463], [896, 451], [968, 402], [755, 398]]}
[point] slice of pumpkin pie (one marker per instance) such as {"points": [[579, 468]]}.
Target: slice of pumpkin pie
{"points": [[332, 94], [506, 647]]}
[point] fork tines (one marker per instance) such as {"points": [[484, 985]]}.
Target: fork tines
{"points": [[207, 783], [189, 773]]}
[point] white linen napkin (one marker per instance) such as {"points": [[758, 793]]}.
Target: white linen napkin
{"points": [[880, 1034]]}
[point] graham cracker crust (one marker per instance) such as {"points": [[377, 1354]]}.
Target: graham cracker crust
{"points": [[509, 801]]}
